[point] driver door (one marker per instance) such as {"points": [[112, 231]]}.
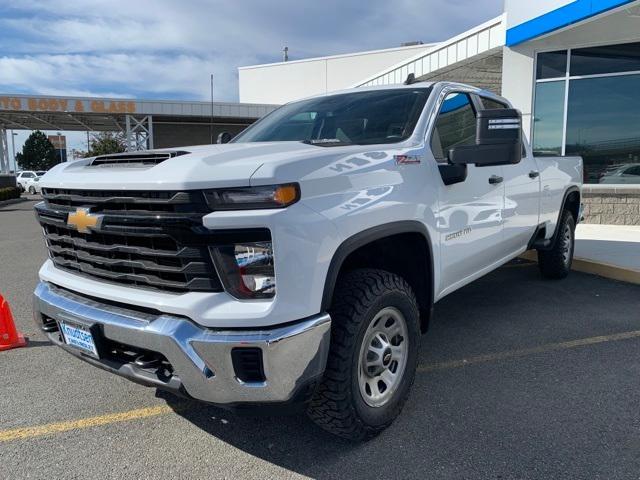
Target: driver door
{"points": [[469, 220]]}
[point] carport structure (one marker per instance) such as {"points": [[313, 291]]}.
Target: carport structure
{"points": [[146, 123]]}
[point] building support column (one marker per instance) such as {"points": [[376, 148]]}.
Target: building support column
{"points": [[4, 151], [139, 133]]}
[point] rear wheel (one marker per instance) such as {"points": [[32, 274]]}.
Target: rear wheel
{"points": [[373, 356], [556, 262]]}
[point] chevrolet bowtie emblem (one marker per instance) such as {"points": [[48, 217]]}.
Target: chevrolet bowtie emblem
{"points": [[83, 220]]}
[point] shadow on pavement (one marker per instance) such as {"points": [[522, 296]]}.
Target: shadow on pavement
{"points": [[289, 441], [498, 419], [38, 343]]}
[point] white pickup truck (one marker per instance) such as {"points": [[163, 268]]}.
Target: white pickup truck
{"points": [[299, 263]]}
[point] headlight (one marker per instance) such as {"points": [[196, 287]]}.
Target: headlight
{"points": [[250, 198], [247, 269]]}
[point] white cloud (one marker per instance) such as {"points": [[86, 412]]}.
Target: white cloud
{"points": [[162, 47], [168, 49], [135, 75]]}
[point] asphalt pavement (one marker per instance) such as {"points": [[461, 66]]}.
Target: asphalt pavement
{"points": [[519, 378]]}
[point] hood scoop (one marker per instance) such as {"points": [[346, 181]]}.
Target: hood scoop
{"points": [[135, 159]]}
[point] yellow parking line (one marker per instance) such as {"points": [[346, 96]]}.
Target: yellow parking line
{"points": [[40, 430], [549, 347], [51, 428]]}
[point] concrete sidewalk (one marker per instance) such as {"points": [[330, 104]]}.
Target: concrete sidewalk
{"points": [[611, 248]]}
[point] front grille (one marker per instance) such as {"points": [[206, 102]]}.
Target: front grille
{"points": [[152, 240]]}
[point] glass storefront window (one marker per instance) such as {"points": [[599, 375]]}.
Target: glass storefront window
{"points": [[603, 126], [607, 59], [551, 65], [549, 118], [599, 117]]}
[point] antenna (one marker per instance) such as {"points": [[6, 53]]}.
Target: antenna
{"points": [[411, 79]]}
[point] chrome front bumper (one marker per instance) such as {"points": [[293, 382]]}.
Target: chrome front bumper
{"points": [[294, 356]]}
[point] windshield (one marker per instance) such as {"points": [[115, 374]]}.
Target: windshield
{"points": [[359, 118]]}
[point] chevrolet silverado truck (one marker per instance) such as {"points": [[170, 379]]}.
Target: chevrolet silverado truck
{"points": [[298, 264]]}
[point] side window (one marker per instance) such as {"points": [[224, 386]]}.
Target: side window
{"points": [[455, 125], [27, 175], [489, 104]]}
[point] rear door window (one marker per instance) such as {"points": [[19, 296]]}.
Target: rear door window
{"points": [[490, 104]]}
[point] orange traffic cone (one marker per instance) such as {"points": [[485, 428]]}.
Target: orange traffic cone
{"points": [[9, 336]]}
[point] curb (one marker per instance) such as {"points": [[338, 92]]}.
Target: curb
{"points": [[605, 270], [4, 203]]}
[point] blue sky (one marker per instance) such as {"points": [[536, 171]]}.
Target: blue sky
{"points": [[167, 49]]}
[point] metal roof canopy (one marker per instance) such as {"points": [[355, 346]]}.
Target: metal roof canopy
{"points": [[37, 112]]}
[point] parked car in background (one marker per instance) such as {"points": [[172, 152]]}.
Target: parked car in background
{"points": [[23, 177], [628, 173], [32, 185]]}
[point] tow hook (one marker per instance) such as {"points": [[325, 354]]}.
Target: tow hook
{"points": [[147, 360]]}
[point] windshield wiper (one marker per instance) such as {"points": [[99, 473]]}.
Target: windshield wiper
{"points": [[326, 142]]}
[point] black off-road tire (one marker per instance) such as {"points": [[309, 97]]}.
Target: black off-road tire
{"points": [[556, 262], [338, 405]]}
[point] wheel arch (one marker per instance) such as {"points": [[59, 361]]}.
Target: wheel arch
{"points": [[417, 271], [571, 201]]}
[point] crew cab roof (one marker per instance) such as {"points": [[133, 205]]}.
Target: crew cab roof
{"points": [[413, 86]]}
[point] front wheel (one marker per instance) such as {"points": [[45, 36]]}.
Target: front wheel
{"points": [[556, 262], [373, 355], [32, 190]]}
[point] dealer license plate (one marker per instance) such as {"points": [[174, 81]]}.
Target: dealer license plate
{"points": [[79, 337]]}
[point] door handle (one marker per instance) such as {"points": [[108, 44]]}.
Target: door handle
{"points": [[534, 174], [495, 179]]}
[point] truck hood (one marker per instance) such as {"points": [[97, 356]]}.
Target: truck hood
{"points": [[204, 166]]}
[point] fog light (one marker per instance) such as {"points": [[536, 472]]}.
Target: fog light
{"points": [[247, 269]]}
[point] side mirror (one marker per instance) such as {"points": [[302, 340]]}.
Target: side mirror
{"points": [[498, 140], [452, 174], [224, 137]]}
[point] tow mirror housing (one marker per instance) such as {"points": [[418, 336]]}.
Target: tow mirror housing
{"points": [[224, 137], [498, 140]]}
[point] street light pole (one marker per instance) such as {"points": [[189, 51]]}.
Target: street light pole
{"points": [[13, 149], [211, 126]]}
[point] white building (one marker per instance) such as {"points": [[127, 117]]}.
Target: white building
{"points": [[571, 66], [285, 81]]}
